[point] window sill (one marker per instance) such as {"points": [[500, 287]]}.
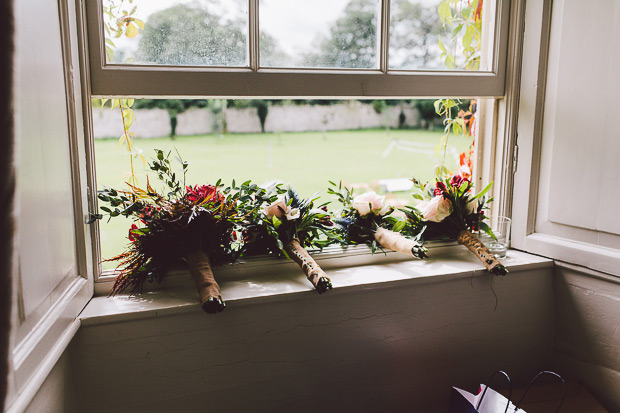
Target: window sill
{"points": [[269, 280]]}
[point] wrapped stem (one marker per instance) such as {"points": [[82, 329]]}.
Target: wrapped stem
{"points": [[313, 271], [202, 274], [397, 242], [473, 244]]}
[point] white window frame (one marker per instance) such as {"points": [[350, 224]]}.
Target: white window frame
{"points": [[39, 339], [141, 81], [116, 80], [533, 87]]}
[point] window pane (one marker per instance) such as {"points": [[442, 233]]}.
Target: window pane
{"points": [[368, 145], [319, 33], [440, 34], [179, 32]]}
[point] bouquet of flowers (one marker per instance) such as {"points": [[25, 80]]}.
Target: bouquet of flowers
{"points": [[449, 209], [366, 219], [182, 224], [287, 224]]}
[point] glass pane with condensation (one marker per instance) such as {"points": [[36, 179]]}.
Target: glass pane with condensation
{"points": [[319, 33], [441, 34], [177, 32]]}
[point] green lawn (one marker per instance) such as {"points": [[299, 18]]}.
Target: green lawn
{"points": [[306, 160]]}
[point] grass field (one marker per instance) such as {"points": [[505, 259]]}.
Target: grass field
{"points": [[306, 160]]}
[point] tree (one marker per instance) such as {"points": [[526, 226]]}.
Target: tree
{"points": [[186, 35], [352, 40], [414, 36], [191, 35]]}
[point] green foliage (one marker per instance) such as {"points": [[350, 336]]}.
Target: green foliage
{"points": [[175, 219], [379, 105], [426, 107], [119, 21], [282, 215], [209, 42], [461, 48], [351, 42], [414, 28], [262, 108], [467, 208], [354, 228]]}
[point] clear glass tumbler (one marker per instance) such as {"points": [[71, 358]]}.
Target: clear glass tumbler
{"points": [[501, 228]]}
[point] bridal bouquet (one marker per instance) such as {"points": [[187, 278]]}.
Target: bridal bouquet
{"points": [[288, 224], [366, 219], [181, 225], [449, 209]]}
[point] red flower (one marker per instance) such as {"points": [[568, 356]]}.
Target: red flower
{"points": [[457, 180], [132, 236], [440, 188], [203, 194], [147, 214]]}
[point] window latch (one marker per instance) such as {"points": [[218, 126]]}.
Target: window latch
{"points": [[515, 158]]}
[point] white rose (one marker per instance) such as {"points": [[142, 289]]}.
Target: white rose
{"points": [[435, 210], [471, 207], [369, 201], [278, 208], [293, 214], [464, 171]]}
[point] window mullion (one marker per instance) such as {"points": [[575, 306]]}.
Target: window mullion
{"points": [[253, 35], [384, 39]]}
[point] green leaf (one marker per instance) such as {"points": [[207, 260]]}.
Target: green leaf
{"points": [[276, 222], [487, 229], [444, 11], [443, 49], [481, 193], [468, 37], [399, 226]]}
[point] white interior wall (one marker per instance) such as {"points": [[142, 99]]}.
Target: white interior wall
{"points": [[393, 346], [588, 330]]}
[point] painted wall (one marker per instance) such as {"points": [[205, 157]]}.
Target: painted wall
{"points": [[588, 330], [58, 392], [394, 346], [151, 123]]}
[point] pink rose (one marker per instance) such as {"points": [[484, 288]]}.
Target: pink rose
{"points": [[277, 209], [435, 210], [370, 202]]}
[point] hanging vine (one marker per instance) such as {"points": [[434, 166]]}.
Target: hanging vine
{"points": [[461, 50], [120, 21]]}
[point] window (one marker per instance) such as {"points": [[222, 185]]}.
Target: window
{"points": [[329, 60], [366, 144], [323, 76]]}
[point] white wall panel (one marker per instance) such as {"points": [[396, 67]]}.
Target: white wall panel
{"points": [[51, 286], [580, 124], [566, 193], [46, 220]]}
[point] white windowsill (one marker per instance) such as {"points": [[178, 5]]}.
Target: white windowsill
{"points": [[268, 280]]}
